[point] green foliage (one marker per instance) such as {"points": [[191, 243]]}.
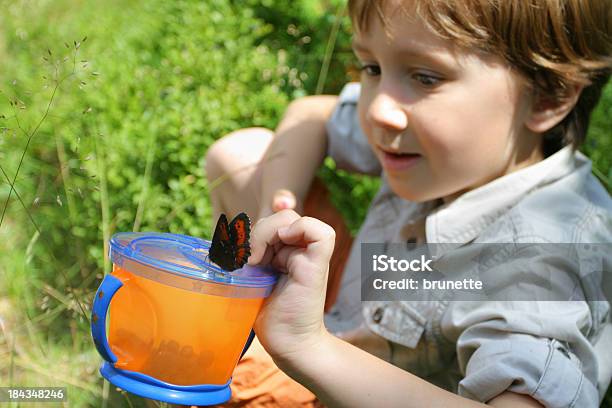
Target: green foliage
{"points": [[599, 141], [303, 28], [154, 95], [132, 110]]}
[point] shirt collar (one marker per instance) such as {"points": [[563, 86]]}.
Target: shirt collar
{"points": [[463, 219]]}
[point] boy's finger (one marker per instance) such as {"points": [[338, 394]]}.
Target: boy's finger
{"points": [[265, 234], [311, 233], [281, 258], [283, 199], [270, 253]]}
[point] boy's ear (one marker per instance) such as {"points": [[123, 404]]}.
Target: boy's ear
{"points": [[546, 113]]}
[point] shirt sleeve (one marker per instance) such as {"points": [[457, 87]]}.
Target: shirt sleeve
{"points": [[532, 348], [347, 144]]}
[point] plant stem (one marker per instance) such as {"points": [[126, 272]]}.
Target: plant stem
{"points": [[331, 43], [20, 200], [104, 203], [72, 213], [145, 182]]}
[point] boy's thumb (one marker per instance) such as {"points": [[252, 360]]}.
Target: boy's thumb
{"points": [[283, 199]]}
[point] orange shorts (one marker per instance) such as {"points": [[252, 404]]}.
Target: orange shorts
{"points": [[258, 382]]}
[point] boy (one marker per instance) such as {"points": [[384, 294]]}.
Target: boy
{"points": [[467, 106]]}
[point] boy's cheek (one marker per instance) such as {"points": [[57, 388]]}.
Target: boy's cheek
{"points": [[369, 132]]}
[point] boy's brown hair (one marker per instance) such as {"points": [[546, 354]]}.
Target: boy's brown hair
{"points": [[554, 44]]}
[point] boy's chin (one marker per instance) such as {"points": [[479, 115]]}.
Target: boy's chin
{"points": [[415, 193]]}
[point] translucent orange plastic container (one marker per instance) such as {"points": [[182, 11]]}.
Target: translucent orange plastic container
{"points": [[176, 321]]}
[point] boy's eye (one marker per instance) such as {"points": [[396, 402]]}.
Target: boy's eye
{"points": [[370, 69], [427, 80]]}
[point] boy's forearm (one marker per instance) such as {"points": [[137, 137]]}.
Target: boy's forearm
{"points": [[342, 375], [298, 148]]}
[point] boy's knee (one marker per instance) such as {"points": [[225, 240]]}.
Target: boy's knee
{"points": [[221, 155], [213, 160]]}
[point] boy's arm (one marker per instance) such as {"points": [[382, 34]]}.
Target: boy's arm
{"points": [[342, 375], [297, 151]]}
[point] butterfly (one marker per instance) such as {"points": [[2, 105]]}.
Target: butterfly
{"points": [[230, 246]]}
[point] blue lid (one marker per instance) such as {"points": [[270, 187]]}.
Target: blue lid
{"points": [[153, 254]]}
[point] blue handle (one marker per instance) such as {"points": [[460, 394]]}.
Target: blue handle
{"points": [[110, 285]]}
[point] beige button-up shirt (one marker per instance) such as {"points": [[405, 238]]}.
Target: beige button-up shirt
{"points": [[557, 352]]}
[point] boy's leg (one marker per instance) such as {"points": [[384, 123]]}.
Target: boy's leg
{"points": [[234, 173]]}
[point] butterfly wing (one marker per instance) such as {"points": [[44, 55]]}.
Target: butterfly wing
{"points": [[221, 251], [240, 232]]}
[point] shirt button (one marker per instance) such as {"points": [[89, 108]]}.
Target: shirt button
{"points": [[378, 315]]}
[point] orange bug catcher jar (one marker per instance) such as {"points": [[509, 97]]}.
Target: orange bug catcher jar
{"points": [[178, 324]]}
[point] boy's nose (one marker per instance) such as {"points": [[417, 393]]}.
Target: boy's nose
{"points": [[384, 111]]}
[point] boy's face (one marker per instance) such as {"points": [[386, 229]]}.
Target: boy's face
{"points": [[441, 120]]}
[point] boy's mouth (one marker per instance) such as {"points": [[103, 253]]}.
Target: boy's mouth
{"points": [[399, 161]]}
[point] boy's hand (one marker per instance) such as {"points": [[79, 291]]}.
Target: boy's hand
{"points": [[291, 319]]}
